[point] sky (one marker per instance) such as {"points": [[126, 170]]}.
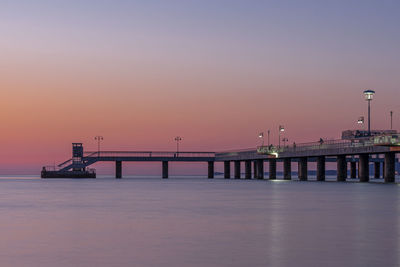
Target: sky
{"points": [[215, 72]]}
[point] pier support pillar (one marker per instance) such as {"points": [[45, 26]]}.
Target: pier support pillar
{"points": [[390, 167], [247, 167], [118, 169], [227, 169], [377, 170], [237, 169], [272, 169], [287, 168], [353, 170], [210, 169], [303, 170], [321, 168], [260, 169], [165, 169], [363, 170], [341, 168], [255, 176]]}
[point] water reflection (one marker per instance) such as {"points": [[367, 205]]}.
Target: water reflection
{"points": [[198, 222]]}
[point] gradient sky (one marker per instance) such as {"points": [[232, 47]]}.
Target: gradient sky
{"points": [[215, 72]]}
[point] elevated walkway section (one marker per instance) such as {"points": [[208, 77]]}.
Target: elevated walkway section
{"points": [[374, 145], [90, 158]]}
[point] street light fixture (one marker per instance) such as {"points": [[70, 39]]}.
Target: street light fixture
{"points": [[281, 129], [177, 139], [99, 138], [360, 120], [261, 135], [284, 141], [369, 95]]}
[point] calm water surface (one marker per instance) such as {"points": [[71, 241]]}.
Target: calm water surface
{"points": [[197, 222]]}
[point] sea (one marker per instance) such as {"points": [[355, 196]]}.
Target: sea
{"points": [[195, 221]]}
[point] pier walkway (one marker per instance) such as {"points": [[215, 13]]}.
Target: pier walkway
{"points": [[356, 153], [81, 159]]}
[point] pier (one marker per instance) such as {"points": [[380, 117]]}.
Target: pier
{"points": [[356, 154], [343, 151], [82, 160]]}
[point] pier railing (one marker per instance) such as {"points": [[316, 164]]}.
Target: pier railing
{"points": [[64, 163], [58, 168], [236, 150], [150, 154], [328, 144], [385, 140], [51, 168]]}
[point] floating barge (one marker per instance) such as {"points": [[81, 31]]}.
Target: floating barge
{"points": [[68, 174]]}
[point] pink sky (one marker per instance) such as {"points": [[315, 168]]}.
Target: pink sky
{"points": [[140, 81]]}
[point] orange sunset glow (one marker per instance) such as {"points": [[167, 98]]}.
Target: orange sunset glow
{"points": [[139, 80]]}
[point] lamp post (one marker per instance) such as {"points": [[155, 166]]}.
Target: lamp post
{"points": [[281, 129], [261, 135], [284, 141], [268, 137], [99, 138], [177, 139], [369, 95], [391, 120]]}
